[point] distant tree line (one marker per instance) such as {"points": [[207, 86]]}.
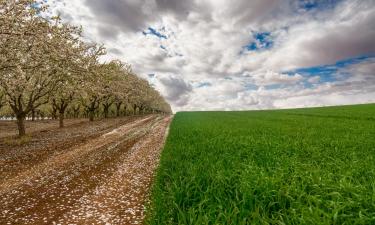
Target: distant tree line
{"points": [[47, 70]]}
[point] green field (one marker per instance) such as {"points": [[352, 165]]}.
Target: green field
{"points": [[300, 166]]}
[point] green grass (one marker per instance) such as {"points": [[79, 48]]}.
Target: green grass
{"points": [[300, 166]]}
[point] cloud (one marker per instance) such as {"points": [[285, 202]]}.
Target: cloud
{"points": [[271, 77], [134, 15], [125, 15], [345, 33], [314, 79], [175, 89], [195, 42], [177, 7]]}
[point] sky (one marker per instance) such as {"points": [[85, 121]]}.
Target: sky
{"points": [[240, 54]]}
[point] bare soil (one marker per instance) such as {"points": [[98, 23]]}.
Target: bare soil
{"points": [[9, 128], [86, 173]]}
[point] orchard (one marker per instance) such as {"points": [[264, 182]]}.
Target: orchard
{"points": [[48, 71]]}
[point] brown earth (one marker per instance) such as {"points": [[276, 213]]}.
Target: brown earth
{"points": [[86, 173], [9, 128]]}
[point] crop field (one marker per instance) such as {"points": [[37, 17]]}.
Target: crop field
{"points": [[299, 166]]}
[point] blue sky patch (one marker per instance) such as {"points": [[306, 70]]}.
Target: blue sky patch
{"points": [[36, 6], [317, 4], [250, 87], [328, 73], [308, 5], [154, 32], [204, 84], [273, 86], [261, 41]]}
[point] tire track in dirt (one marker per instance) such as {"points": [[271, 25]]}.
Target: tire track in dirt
{"points": [[46, 144], [121, 199], [52, 188], [60, 159]]}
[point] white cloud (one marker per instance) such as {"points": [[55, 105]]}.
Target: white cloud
{"points": [[314, 79], [270, 77], [205, 43]]}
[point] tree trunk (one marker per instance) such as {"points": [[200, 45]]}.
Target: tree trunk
{"points": [[61, 109], [1, 101], [118, 108], [53, 114], [106, 110], [21, 125], [91, 115], [61, 119], [33, 115]]}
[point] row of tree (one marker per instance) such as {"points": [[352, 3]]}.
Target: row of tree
{"points": [[45, 64]]}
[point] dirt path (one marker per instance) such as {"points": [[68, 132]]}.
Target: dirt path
{"points": [[102, 181], [9, 128], [46, 143]]}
